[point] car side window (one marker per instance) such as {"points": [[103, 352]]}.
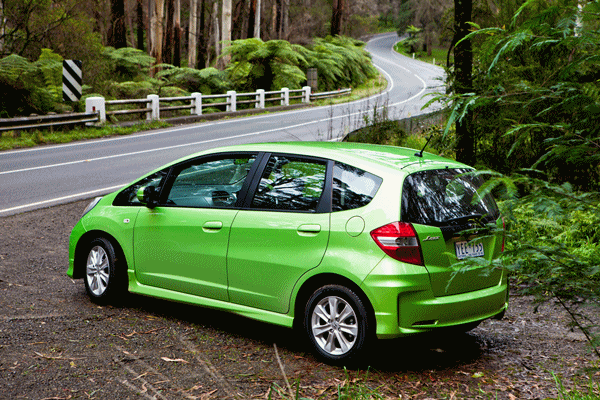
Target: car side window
{"points": [[352, 187], [209, 183], [128, 197], [291, 184]]}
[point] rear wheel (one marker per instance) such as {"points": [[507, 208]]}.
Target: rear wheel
{"points": [[105, 277], [336, 323]]}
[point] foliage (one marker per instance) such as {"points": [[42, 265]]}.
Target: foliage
{"points": [[264, 65], [341, 62], [412, 42], [30, 87], [537, 93], [553, 244], [378, 128], [127, 63], [205, 81], [406, 14]]}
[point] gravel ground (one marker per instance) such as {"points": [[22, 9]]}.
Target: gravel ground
{"points": [[56, 344]]}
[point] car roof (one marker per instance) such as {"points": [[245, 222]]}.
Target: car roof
{"points": [[357, 154]]}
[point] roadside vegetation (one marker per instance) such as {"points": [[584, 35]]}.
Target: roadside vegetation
{"points": [[533, 113]]}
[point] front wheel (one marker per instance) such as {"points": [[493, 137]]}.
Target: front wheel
{"points": [[105, 278], [336, 323]]}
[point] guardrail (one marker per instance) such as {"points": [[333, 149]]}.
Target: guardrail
{"points": [[45, 121], [97, 108]]}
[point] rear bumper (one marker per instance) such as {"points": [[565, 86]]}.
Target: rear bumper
{"points": [[405, 304], [421, 311]]}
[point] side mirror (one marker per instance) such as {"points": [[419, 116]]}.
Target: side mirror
{"points": [[148, 196]]}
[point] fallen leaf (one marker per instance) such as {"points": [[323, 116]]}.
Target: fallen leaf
{"points": [[174, 360]]}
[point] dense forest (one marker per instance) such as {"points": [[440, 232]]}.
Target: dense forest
{"points": [[130, 48]]}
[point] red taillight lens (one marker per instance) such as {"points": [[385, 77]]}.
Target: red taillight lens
{"points": [[399, 241]]}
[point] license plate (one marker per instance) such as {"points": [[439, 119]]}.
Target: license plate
{"points": [[468, 249]]}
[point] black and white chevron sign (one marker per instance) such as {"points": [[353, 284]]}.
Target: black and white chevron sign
{"points": [[72, 80]]}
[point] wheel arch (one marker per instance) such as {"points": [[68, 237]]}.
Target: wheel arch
{"points": [[320, 280], [82, 248]]}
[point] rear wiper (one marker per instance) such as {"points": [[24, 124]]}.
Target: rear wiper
{"points": [[463, 219]]}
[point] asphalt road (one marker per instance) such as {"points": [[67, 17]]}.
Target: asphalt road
{"points": [[49, 175]]}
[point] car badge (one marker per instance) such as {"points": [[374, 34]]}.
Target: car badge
{"points": [[430, 238]]}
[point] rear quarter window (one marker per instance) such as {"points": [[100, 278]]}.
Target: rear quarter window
{"points": [[352, 187]]}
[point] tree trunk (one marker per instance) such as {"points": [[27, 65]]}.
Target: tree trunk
{"points": [[257, 19], [217, 31], [285, 19], [203, 38], [157, 30], [140, 25], [169, 33], [150, 26], [463, 81], [2, 29], [193, 34], [336, 17], [117, 33], [251, 18], [226, 29], [177, 28]]}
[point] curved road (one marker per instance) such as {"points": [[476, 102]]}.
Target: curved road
{"points": [[49, 175]]}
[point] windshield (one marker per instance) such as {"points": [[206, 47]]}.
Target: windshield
{"points": [[445, 196]]}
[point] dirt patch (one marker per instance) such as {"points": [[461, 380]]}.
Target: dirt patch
{"points": [[56, 344]]}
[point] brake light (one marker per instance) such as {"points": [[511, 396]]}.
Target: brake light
{"points": [[399, 241]]}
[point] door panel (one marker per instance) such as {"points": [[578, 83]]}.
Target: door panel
{"points": [[269, 252], [182, 244], [281, 236], [183, 249]]}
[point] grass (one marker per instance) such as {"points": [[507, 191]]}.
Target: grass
{"points": [[437, 57], [11, 140], [591, 393]]}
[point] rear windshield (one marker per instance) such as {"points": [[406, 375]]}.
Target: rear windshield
{"points": [[445, 197]]}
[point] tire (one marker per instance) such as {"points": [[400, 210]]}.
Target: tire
{"points": [[105, 278], [336, 323]]}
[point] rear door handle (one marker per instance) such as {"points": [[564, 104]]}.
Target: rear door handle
{"points": [[309, 229], [212, 226]]}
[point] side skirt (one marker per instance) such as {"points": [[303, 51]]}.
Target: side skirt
{"points": [[248, 312]]}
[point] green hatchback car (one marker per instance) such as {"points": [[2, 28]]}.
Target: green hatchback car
{"points": [[347, 242]]}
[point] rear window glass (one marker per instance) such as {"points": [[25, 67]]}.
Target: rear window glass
{"points": [[445, 196]]}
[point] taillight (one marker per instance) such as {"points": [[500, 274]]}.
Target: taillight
{"points": [[399, 241]]}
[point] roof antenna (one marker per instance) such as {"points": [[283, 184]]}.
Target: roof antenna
{"points": [[420, 154]]}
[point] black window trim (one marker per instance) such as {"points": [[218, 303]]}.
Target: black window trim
{"points": [[167, 181], [324, 205]]}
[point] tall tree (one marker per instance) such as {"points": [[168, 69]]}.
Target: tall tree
{"points": [[157, 31], [463, 79], [169, 35], [254, 19], [226, 30], [140, 24], [193, 34], [2, 25], [177, 33], [336, 17], [117, 33]]}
